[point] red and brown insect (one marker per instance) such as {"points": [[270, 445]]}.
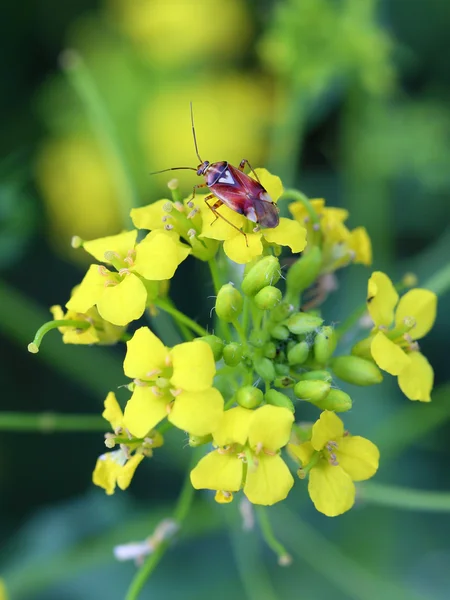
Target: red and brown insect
{"points": [[231, 186]]}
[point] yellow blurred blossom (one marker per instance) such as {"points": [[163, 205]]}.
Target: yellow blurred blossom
{"points": [[100, 331]]}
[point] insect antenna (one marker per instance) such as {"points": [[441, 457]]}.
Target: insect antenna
{"points": [[193, 133], [172, 169]]}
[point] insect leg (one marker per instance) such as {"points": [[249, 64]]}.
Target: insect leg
{"points": [[217, 214], [242, 164]]}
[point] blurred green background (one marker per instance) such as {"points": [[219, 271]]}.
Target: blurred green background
{"points": [[345, 99]]}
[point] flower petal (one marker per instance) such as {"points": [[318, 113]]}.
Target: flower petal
{"points": [[126, 473], [233, 427], [301, 452], [106, 471], [270, 482], [299, 212], [358, 457], [270, 427], [328, 428], [120, 244], [421, 305], [388, 356], [271, 183], [242, 249], [381, 299], [145, 352], [359, 242], [125, 302], [331, 489], [150, 216], [198, 413], [88, 292], [158, 256], [218, 471], [143, 411], [416, 380], [113, 413], [287, 233], [193, 366], [219, 229]]}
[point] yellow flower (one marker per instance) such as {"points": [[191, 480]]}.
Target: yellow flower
{"points": [[122, 296], [248, 456], [340, 245], [398, 326], [242, 249], [334, 460], [100, 331], [174, 383], [118, 467]]}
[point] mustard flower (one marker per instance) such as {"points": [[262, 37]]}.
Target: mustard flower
{"points": [[340, 245], [398, 326], [248, 455], [174, 383], [243, 249], [334, 459], [122, 295], [118, 467], [100, 331]]}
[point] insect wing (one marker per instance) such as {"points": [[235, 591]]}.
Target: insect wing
{"points": [[266, 213]]}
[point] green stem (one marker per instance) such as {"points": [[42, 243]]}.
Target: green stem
{"points": [[298, 196], [179, 316], [269, 536], [33, 347], [50, 422], [351, 320], [404, 498], [181, 511], [81, 80], [439, 282], [215, 275]]}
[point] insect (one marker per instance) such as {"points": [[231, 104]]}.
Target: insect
{"points": [[231, 186]]}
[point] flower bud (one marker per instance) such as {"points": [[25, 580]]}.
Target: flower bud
{"points": [[279, 332], [312, 391], [301, 323], [268, 298], [264, 368], [270, 350], [249, 396], [278, 399], [323, 375], [199, 440], [362, 348], [284, 382], [325, 344], [336, 400], [258, 338], [282, 369], [303, 273], [228, 303], [232, 354], [265, 272], [216, 345], [281, 312], [356, 370], [298, 353]]}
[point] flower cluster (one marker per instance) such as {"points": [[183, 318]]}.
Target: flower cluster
{"points": [[240, 392]]}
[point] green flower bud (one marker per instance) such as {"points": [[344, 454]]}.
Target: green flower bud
{"points": [[303, 273], [362, 348], [270, 350], [356, 370], [268, 298], [281, 312], [325, 344], [265, 272], [278, 399], [232, 354], [302, 323], [216, 345], [312, 391], [284, 382], [264, 368], [199, 440], [298, 353], [249, 396], [280, 332], [323, 375], [336, 400], [281, 369], [258, 338], [228, 303]]}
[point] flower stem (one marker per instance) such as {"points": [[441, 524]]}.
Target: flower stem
{"points": [[179, 316], [404, 498], [223, 327], [50, 422], [33, 347], [269, 536], [297, 196], [181, 511], [351, 320], [439, 282]]}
